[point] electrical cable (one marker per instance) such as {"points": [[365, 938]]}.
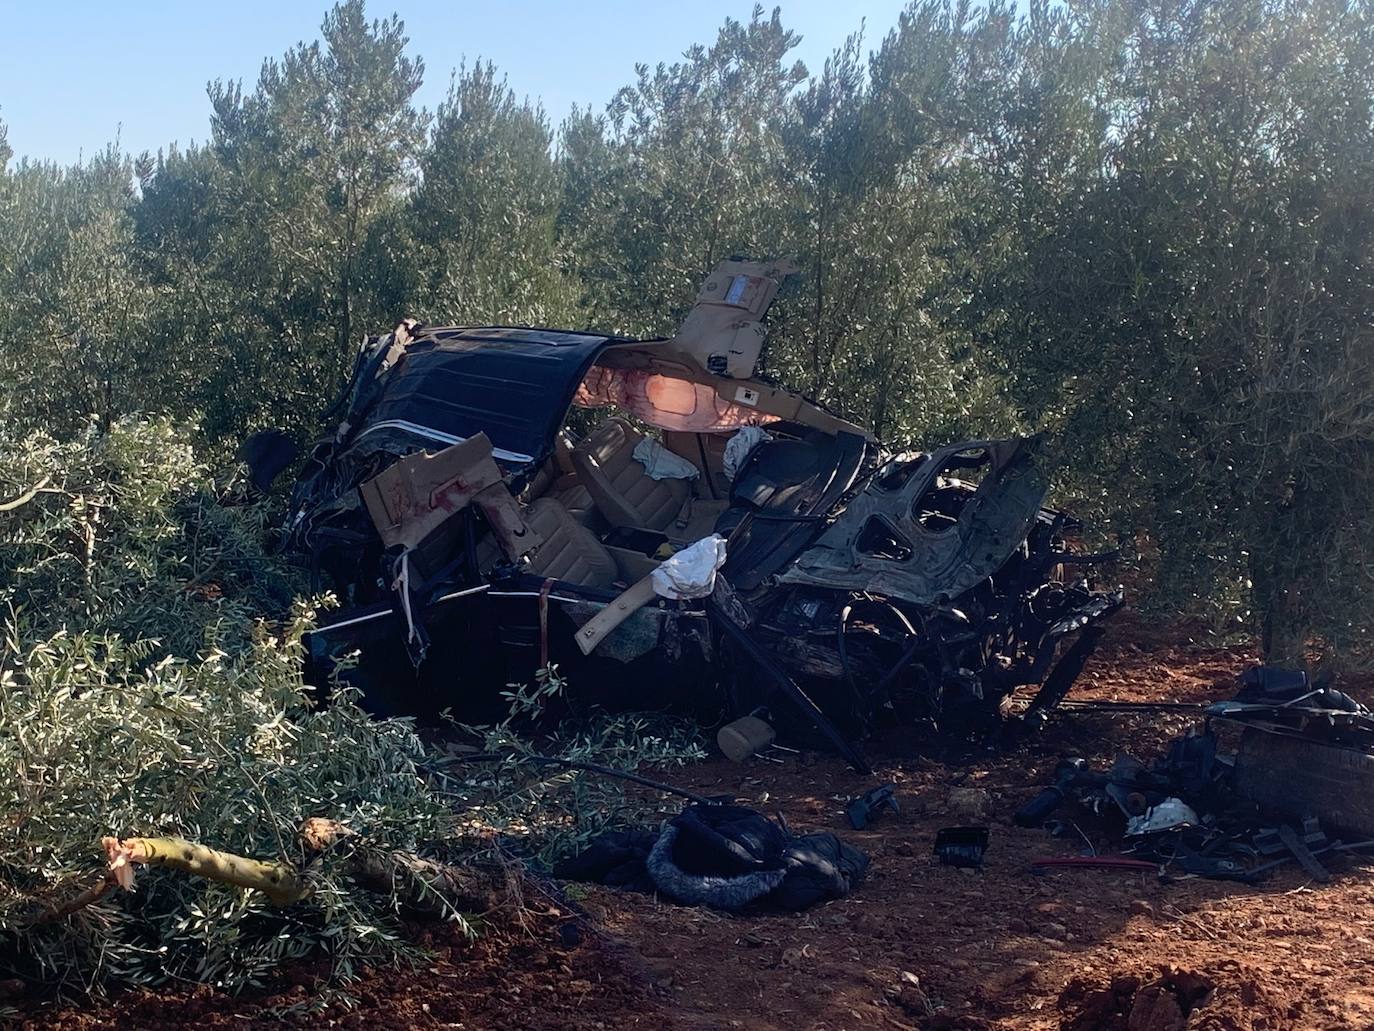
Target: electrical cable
{"points": [[577, 764]]}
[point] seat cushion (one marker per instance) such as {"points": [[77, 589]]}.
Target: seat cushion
{"points": [[575, 498], [623, 490], [569, 550], [551, 481]]}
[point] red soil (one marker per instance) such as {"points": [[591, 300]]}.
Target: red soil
{"points": [[918, 945]]}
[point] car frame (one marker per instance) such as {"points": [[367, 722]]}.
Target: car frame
{"points": [[473, 542]]}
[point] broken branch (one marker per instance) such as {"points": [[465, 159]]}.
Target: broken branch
{"points": [[90, 895], [421, 884], [278, 881]]}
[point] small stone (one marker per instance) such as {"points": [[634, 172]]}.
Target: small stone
{"points": [[915, 1002], [1155, 1009], [968, 803]]}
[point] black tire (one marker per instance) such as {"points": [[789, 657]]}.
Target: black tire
{"points": [[1295, 777]]}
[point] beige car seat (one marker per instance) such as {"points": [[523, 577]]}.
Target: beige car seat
{"points": [[557, 479], [624, 493], [551, 482], [569, 550]]}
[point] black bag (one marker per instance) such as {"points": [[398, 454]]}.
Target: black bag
{"points": [[724, 856]]}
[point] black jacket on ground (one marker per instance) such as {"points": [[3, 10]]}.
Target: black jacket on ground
{"points": [[723, 856]]}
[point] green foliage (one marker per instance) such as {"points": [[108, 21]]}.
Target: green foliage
{"points": [[224, 750], [693, 153], [483, 219], [129, 534], [142, 693], [74, 309], [1177, 239]]}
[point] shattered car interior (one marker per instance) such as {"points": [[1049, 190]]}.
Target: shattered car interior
{"points": [[673, 531]]}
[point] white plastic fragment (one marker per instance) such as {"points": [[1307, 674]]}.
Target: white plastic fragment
{"points": [[691, 573], [1170, 813]]}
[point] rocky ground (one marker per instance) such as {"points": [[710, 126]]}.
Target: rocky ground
{"points": [[919, 945]]}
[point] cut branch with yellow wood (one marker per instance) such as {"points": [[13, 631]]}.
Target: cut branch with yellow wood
{"points": [[277, 880], [419, 883]]}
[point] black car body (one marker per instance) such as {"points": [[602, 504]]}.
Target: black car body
{"points": [[856, 583]]}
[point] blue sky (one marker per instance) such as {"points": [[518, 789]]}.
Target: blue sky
{"points": [[76, 73]]}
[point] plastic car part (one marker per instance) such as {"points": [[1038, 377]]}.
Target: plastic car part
{"points": [[867, 807], [962, 846]]}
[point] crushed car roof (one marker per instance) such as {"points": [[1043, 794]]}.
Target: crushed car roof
{"points": [[512, 384]]}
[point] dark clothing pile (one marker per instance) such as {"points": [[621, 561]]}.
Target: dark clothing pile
{"points": [[725, 856]]}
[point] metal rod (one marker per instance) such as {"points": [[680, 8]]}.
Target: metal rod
{"points": [[577, 764], [789, 687]]}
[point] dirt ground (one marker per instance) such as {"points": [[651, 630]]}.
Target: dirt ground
{"points": [[918, 945]]}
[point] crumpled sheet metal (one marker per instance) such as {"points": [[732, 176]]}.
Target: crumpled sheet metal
{"points": [[944, 563], [1171, 813], [665, 402]]}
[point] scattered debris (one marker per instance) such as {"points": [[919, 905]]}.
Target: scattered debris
{"points": [[871, 804], [1170, 814], [962, 846], [1300, 776], [1303, 769], [745, 737], [1068, 774]]}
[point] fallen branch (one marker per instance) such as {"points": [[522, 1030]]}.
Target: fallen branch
{"points": [[421, 884], [90, 895], [278, 881]]}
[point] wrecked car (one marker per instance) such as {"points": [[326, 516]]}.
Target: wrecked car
{"points": [[495, 500]]}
